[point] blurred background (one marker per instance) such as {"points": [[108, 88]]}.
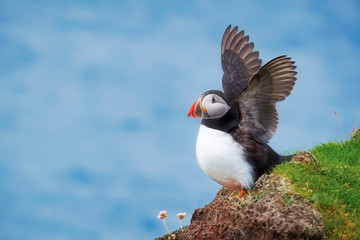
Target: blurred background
{"points": [[94, 138]]}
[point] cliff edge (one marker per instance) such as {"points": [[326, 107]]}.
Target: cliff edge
{"points": [[270, 210]]}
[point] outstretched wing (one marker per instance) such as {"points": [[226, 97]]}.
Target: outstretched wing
{"points": [[273, 83], [239, 62]]}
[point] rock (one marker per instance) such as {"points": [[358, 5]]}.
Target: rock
{"points": [[271, 210]]}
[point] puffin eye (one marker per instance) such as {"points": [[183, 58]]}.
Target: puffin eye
{"points": [[213, 100]]}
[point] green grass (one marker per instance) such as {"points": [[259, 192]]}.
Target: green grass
{"points": [[332, 185]]}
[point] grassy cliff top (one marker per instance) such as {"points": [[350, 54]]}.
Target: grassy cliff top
{"points": [[315, 195], [332, 185]]}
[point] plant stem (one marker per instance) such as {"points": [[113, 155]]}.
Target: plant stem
{"points": [[166, 226], [180, 224]]}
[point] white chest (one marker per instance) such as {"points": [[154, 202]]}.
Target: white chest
{"points": [[223, 159]]}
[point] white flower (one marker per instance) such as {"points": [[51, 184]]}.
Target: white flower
{"points": [[180, 216], [162, 214]]}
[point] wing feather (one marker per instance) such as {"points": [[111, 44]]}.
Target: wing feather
{"points": [[239, 45], [231, 37], [246, 50], [236, 40], [273, 83], [224, 39], [252, 57], [239, 62]]}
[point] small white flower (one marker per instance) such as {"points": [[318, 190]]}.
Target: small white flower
{"points": [[180, 216], [162, 214]]}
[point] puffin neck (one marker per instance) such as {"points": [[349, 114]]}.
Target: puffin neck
{"points": [[225, 123]]}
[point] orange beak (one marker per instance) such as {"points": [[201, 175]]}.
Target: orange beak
{"points": [[196, 110]]}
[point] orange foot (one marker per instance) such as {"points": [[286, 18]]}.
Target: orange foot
{"points": [[242, 193]]}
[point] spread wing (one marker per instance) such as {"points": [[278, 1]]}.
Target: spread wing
{"points": [[239, 62], [273, 83]]}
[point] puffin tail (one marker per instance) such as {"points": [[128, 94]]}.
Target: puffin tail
{"points": [[286, 158], [278, 158]]}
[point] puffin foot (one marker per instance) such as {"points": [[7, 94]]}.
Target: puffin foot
{"points": [[242, 193]]}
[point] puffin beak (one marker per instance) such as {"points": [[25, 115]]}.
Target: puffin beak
{"points": [[196, 110]]}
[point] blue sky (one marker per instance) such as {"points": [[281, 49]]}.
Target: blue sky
{"points": [[94, 138]]}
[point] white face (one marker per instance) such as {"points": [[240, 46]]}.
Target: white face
{"points": [[215, 106]]}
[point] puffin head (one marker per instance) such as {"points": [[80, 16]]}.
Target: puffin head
{"points": [[210, 105], [215, 110]]}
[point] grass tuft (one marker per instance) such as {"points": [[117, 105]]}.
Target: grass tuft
{"points": [[332, 185]]}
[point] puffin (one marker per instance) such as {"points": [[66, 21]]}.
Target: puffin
{"points": [[238, 122]]}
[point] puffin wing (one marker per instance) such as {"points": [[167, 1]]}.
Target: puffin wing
{"points": [[239, 62], [272, 84]]}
